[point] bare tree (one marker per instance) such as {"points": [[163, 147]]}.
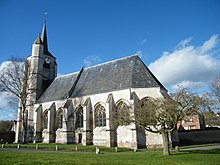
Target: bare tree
{"points": [[209, 107], [5, 125], [215, 91], [215, 87], [14, 80]]}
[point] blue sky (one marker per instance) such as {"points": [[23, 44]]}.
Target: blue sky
{"points": [[178, 40]]}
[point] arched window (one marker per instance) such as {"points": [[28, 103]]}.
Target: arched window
{"points": [[100, 116], [79, 117], [45, 120], [60, 119], [122, 113]]}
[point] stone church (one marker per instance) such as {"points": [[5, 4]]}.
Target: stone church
{"points": [[80, 107]]}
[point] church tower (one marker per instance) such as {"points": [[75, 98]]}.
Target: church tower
{"points": [[41, 69]]}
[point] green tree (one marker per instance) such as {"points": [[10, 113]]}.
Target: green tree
{"points": [[160, 115], [157, 116]]}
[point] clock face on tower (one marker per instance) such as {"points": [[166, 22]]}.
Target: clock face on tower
{"points": [[47, 60]]}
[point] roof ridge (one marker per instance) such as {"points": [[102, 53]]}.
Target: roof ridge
{"points": [[68, 74], [104, 63], [75, 82]]}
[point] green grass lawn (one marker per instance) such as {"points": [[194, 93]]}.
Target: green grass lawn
{"points": [[151, 157]]}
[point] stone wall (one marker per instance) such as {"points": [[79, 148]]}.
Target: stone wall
{"points": [[108, 135], [199, 136], [153, 140]]}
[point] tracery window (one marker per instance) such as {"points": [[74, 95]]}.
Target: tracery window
{"points": [[60, 119], [79, 117], [122, 113], [100, 116], [45, 120]]}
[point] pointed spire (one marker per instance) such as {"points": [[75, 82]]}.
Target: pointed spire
{"points": [[44, 38]]}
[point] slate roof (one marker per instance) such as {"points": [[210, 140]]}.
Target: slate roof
{"points": [[128, 72], [59, 88]]}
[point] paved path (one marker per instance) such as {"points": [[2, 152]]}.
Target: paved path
{"points": [[78, 152], [201, 148], [59, 151], [39, 150]]}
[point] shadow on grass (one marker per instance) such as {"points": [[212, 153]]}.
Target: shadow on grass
{"points": [[212, 151]]}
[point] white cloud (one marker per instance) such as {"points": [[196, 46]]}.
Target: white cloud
{"points": [[3, 65], [8, 106], [91, 60], [188, 65], [191, 84], [8, 101], [184, 43], [7, 115], [143, 41], [209, 44], [4, 117]]}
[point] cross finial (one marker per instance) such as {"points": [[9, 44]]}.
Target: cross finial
{"points": [[45, 16]]}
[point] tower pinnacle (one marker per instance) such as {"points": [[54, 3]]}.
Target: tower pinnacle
{"points": [[38, 40]]}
